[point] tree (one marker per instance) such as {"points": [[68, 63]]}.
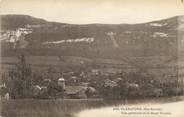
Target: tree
{"points": [[20, 79]]}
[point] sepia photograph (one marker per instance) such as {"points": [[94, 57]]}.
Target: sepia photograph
{"points": [[91, 58]]}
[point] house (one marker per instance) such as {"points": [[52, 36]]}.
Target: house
{"points": [[110, 83], [75, 92], [95, 71]]}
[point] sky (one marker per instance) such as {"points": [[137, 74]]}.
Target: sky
{"points": [[95, 11]]}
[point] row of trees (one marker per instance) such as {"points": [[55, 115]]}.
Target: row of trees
{"points": [[19, 80]]}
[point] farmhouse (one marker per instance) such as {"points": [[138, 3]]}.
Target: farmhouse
{"points": [[75, 92]]}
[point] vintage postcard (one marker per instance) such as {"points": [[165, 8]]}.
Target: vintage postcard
{"points": [[91, 58]]}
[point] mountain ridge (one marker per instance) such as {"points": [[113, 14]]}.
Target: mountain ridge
{"points": [[150, 38], [43, 20]]}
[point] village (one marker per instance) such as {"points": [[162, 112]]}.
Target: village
{"points": [[84, 83], [16, 37]]}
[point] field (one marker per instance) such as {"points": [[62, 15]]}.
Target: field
{"points": [[151, 62], [46, 108], [64, 108], [155, 65]]}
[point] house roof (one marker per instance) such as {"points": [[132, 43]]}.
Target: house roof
{"points": [[74, 89], [110, 83]]}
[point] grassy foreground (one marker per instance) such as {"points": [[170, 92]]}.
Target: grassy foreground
{"points": [[65, 108], [46, 108]]}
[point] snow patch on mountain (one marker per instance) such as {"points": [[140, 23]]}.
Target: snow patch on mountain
{"points": [[84, 39], [159, 34], [157, 24]]}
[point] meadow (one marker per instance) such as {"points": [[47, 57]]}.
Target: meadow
{"points": [[67, 107], [46, 108]]}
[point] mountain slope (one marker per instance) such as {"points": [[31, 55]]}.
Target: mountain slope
{"points": [[93, 40], [12, 22]]}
